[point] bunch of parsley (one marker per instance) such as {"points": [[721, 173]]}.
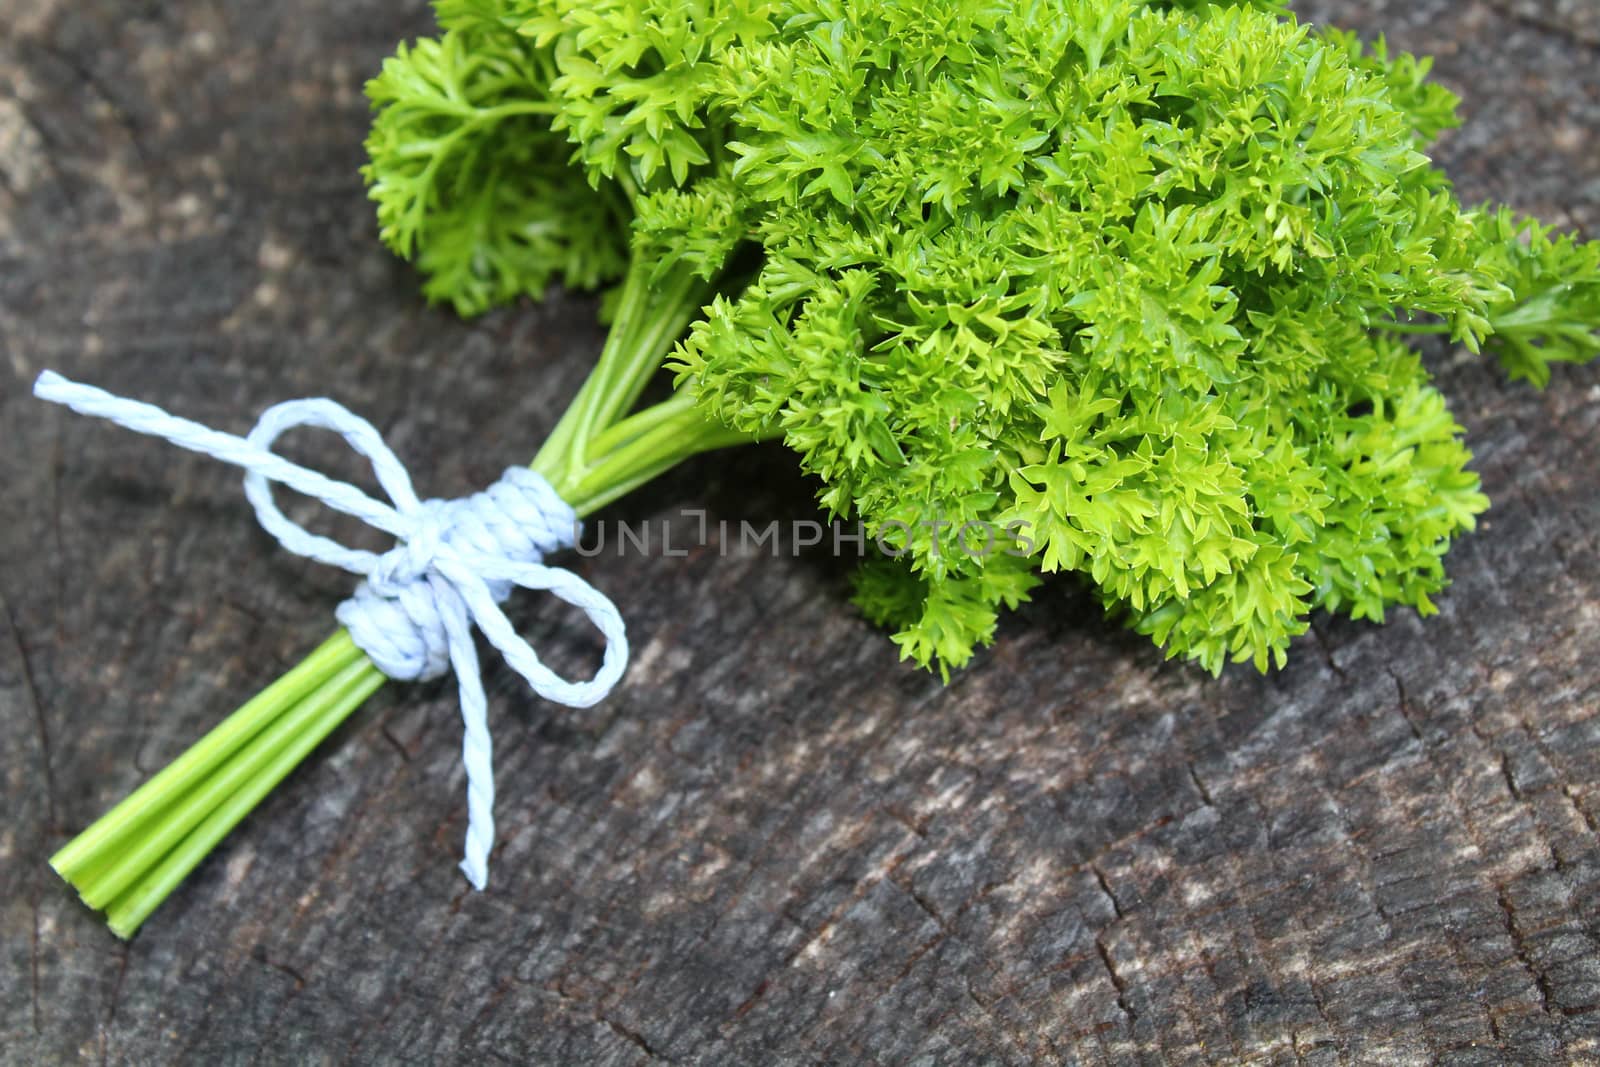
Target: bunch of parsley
{"points": [[1130, 279]]}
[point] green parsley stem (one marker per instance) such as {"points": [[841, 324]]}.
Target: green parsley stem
{"points": [[135, 855]]}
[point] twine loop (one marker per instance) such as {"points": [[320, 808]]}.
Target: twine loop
{"points": [[454, 562]]}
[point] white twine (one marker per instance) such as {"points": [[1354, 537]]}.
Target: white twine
{"points": [[454, 563]]}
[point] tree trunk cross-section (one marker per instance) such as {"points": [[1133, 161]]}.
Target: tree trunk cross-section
{"points": [[774, 844]]}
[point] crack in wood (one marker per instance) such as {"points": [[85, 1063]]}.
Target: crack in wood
{"points": [[1541, 981], [1117, 981]]}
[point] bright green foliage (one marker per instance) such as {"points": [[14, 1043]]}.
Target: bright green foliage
{"points": [[1429, 108], [635, 77], [1105, 286], [1551, 312], [469, 177]]}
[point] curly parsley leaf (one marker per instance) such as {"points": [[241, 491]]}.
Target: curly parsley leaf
{"points": [[1121, 278], [469, 177]]}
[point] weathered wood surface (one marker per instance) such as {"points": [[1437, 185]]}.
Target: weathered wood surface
{"points": [[775, 844]]}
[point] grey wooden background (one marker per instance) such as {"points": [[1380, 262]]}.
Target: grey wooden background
{"points": [[775, 844]]}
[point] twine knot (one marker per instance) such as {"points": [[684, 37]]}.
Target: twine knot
{"points": [[454, 562], [394, 614]]}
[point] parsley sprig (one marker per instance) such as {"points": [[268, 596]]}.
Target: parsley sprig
{"points": [[1133, 279]]}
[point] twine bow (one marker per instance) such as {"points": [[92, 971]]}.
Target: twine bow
{"points": [[453, 564]]}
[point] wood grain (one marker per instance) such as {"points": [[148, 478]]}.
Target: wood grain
{"points": [[776, 844]]}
